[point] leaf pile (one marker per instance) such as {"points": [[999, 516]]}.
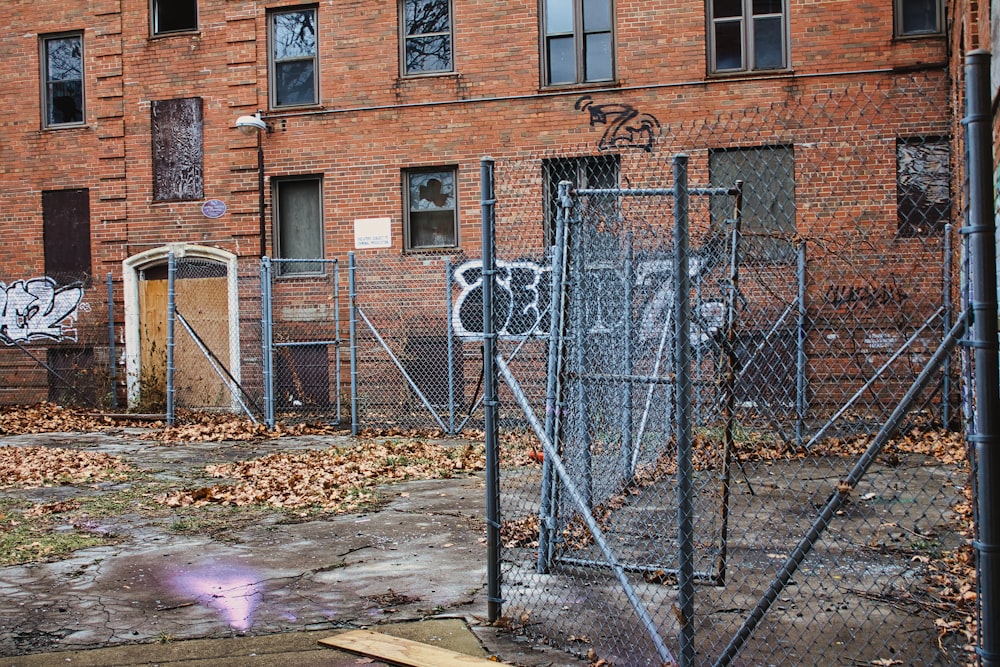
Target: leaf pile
{"points": [[51, 418], [339, 479], [48, 466]]}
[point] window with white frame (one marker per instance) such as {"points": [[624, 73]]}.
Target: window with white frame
{"points": [[747, 35], [426, 36], [578, 41], [174, 16], [62, 79], [298, 225], [430, 208], [293, 57], [914, 18]]}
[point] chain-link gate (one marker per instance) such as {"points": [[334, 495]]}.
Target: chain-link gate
{"points": [[741, 459]]}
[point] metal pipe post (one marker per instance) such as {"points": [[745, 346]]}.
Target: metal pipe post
{"points": [[267, 338], [490, 402], [451, 346], [171, 306], [352, 294], [546, 516], [685, 466], [981, 231], [800, 343], [112, 361]]}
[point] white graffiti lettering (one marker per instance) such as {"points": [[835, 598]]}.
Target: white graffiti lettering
{"points": [[521, 300], [38, 308]]}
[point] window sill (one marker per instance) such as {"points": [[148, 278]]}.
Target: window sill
{"points": [[417, 76], [66, 126], [193, 32], [587, 85], [750, 74]]}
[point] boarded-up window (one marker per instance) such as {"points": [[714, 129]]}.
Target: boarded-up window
{"points": [[177, 149], [66, 235], [768, 223], [923, 192], [299, 223], [302, 374]]}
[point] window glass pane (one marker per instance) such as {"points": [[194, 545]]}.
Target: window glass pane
{"points": [[64, 80], [294, 35], [597, 58], [432, 209], [919, 16], [426, 16], [174, 15], [727, 8], [766, 7], [294, 83], [428, 54], [562, 60], [299, 225], [728, 45], [596, 15], [558, 16], [768, 44]]}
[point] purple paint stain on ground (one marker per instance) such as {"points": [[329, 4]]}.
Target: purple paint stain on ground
{"points": [[233, 592]]}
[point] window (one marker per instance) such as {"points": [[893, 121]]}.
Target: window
{"points": [[293, 58], [177, 149], [923, 192], [747, 35], [62, 76], [431, 219], [426, 36], [599, 171], [66, 235], [578, 41], [917, 17], [174, 16], [298, 224], [768, 175]]}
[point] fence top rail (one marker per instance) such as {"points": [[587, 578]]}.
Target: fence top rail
{"points": [[652, 192]]}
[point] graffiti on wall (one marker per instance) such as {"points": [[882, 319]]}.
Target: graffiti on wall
{"points": [[626, 127], [38, 308], [522, 296], [866, 296]]}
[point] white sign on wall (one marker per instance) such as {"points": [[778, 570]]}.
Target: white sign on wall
{"points": [[372, 233]]}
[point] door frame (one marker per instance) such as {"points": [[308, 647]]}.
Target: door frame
{"points": [[132, 266]]}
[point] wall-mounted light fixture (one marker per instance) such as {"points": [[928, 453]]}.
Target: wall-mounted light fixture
{"points": [[250, 125]]}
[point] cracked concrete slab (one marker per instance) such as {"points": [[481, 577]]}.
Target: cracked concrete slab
{"points": [[420, 555]]}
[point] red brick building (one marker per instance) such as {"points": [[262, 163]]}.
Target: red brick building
{"points": [[120, 140]]}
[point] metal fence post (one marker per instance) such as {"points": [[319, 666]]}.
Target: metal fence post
{"points": [[981, 231], [353, 329], [171, 307], [801, 360], [111, 344], [451, 347], [267, 349], [490, 402], [685, 468]]}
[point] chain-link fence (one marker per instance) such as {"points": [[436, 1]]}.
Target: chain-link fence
{"points": [[734, 364]]}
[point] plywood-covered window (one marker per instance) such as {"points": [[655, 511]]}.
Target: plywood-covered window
{"points": [[66, 235]]}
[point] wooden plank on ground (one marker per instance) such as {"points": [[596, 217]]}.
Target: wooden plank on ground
{"points": [[402, 651]]}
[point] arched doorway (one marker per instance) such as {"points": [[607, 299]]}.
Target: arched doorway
{"points": [[208, 301]]}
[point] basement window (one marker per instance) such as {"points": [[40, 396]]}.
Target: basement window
{"points": [[174, 16]]}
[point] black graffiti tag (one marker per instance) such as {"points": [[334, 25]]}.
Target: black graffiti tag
{"points": [[626, 127]]}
